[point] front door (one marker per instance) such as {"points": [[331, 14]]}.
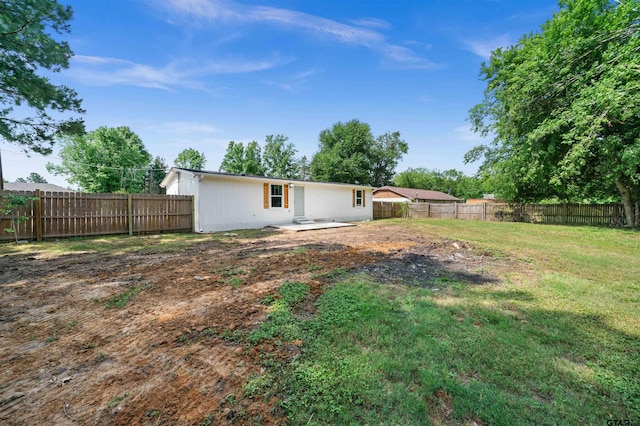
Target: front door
{"points": [[298, 200]]}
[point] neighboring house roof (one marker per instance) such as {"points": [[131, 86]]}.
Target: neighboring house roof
{"points": [[175, 170], [417, 194], [28, 186]]}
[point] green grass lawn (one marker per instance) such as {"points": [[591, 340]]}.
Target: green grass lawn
{"points": [[556, 342], [558, 346]]}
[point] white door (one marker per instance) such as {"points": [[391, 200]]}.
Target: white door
{"points": [[298, 200]]}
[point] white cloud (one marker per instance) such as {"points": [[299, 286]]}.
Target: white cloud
{"points": [[217, 10], [483, 48], [292, 83], [371, 23], [102, 71]]}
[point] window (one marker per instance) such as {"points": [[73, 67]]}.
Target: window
{"points": [[359, 198], [276, 195]]}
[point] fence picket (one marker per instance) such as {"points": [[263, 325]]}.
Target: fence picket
{"points": [[569, 214], [69, 214]]}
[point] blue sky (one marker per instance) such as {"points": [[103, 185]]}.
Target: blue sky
{"points": [[200, 73]]}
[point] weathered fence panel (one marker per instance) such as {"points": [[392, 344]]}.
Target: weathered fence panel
{"points": [[386, 210], [72, 214], [566, 214]]}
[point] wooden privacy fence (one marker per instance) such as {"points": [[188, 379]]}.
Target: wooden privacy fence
{"points": [[74, 214], [567, 214]]}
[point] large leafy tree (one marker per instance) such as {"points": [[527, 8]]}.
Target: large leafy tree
{"points": [[564, 108], [243, 160], [27, 47], [349, 153], [190, 159], [279, 158], [104, 160]]}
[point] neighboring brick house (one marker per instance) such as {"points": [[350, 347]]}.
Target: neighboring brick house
{"points": [[412, 195]]}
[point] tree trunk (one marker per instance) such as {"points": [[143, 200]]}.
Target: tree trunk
{"points": [[629, 209]]}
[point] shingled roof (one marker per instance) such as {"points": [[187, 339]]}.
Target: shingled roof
{"points": [[29, 186], [418, 194]]}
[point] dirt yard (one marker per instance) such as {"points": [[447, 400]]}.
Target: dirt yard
{"points": [[174, 354]]}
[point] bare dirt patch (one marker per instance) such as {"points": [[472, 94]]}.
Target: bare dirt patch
{"points": [[154, 337]]}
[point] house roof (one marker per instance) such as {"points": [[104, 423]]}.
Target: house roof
{"points": [[421, 194], [175, 170], [29, 186]]}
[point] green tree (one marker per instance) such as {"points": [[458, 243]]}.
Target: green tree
{"points": [[243, 161], [33, 177], [104, 160], [304, 169], [564, 108], [27, 47], [450, 181], [279, 158], [156, 171], [349, 153], [190, 159]]}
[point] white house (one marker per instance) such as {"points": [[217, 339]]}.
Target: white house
{"points": [[224, 201]]}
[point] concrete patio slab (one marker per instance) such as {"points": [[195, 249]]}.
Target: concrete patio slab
{"points": [[298, 227]]}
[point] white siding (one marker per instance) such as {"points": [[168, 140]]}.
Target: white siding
{"points": [[228, 203], [335, 203], [224, 203]]}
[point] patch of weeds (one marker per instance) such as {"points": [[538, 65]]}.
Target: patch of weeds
{"points": [[294, 292], [335, 275], [227, 271], [121, 299], [53, 337], [230, 400], [268, 300], [117, 400], [312, 267], [72, 323], [299, 250], [232, 336], [102, 357], [259, 385], [153, 413], [207, 421], [234, 282]]}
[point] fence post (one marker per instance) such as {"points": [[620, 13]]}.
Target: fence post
{"points": [[484, 212], [455, 210], [130, 212], [38, 215]]}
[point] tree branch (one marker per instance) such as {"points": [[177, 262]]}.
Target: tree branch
{"points": [[19, 30]]}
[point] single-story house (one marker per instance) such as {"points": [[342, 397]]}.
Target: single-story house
{"points": [[395, 194], [32, 186], [224, 201]]}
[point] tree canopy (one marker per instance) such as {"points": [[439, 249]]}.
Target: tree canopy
{"points": [[243, 161], [32, 178], [190, 159], [156, 171], [563, 106], [451, 182], [26, 48], [349, 153], [279, 158], [104, 160]]}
